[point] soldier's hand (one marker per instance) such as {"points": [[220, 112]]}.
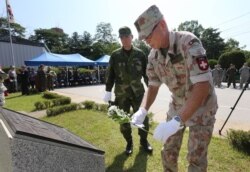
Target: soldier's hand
{"points": [[107, 96], [139, 116], [166, 129]]}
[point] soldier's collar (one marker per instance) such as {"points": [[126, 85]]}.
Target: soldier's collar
{"points": [[164, 52]]}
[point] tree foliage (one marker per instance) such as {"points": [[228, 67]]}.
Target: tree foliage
{"points": [[213, 43], [231, 45], [15, 28], [54, 38], [235, 57], [142, 45], [104, 33], [191, 26]]}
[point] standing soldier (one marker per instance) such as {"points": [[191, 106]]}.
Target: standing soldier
{"points": [[24, 80], [3, 76], [41, 79], [51, 75], [231, 73], [217, 74], [13, 79], [178, 60], [127, 66], [244, 75]]}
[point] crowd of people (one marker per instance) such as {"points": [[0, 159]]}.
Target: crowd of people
{"points": [[230, 76], [25, 79]]}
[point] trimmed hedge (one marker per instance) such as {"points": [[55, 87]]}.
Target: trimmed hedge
{"points": [[55, 100], [49, 95], [61, 109]]}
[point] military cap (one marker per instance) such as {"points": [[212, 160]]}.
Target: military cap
{"points": [[124, 31], [147, 21]]}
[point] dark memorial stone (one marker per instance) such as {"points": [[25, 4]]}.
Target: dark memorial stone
{"points": [[28, 144]]}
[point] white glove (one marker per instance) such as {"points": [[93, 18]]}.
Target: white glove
{"points": [[166, 129], [139, 117], [107, 97]]}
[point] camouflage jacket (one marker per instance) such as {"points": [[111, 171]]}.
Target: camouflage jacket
{"points": [[126, 72], [185, 64]]}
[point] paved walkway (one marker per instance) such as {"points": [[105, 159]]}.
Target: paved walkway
{"points": [[240, 118]]}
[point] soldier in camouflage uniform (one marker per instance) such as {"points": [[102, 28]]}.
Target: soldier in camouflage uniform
{"points": [[178, 60], [3, 76], [127, 66]]}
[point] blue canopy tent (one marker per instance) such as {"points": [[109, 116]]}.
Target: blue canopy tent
{"points": [[52, 59], [103, 61]]}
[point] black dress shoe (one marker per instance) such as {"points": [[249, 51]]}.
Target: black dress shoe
{"points": [[129, 148], [147, 147]]}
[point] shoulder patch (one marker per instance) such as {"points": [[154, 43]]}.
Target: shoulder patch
{"points": [[202, 63]]}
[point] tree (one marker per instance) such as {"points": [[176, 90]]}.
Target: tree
{"points": [[191, 26], [75, 43], [15, 28], [141, 45], [104, 33], [54, 38], [232, 45], [104, 41], [235, 57], [213, 43]]}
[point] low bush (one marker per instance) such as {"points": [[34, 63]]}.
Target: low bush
{"points": [[61, 109], [240, 140], [103, 107], [40, 105], [49, 95], [61, 101], [89, 104], [57, 100]]}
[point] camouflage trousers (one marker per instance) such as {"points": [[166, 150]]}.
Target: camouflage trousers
{"points": [[198, 141], [125, 103]]}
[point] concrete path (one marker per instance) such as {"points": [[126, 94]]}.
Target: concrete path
{"points": [[227, 97]]}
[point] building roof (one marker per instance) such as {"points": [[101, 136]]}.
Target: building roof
{"points": [[18, 40]]}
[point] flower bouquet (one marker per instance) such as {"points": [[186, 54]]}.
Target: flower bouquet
{"points": [[122, 117], [118, 115]]}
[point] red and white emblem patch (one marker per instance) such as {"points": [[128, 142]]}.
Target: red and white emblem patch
{"points": [[202, 62]]}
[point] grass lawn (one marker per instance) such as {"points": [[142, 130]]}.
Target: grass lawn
{"points": [[96, 128]]}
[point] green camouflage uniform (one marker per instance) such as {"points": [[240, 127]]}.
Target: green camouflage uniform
{"points": [[184, 65], [126, 71]]}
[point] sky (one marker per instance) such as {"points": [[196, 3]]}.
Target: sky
{"points": [[231, 17]]}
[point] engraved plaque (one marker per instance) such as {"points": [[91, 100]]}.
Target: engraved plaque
{"points": [[25, 125]]}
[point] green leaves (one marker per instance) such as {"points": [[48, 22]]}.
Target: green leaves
{"points": [[118, 115]]}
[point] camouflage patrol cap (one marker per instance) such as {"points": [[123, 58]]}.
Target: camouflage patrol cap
{"points": [[124, 31], [147, 21]]}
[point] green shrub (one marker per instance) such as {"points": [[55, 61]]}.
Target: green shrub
{"points": [[103, 107], [240, 140], [61, 101], [61, 109], [89, 104], [49, 95], [40, 106], [47, 104]]}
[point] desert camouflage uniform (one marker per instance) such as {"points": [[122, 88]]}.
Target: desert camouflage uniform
{"points": [[126, 70], [183, 65]]}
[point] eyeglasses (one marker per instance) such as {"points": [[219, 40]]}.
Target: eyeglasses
{"points": [[150, 35]]}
